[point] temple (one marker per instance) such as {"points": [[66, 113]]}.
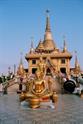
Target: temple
{"points": [[56, 60], [48, 72]]}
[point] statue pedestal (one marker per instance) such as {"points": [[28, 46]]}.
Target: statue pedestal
{"points": [[34, 102]]}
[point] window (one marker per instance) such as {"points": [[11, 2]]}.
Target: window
{"points": [[63, 61], [34, 70], [63, 70], [34, 61]]}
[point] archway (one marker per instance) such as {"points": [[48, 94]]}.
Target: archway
{"points": [[34, 70], [48, 71], [63, 70]]}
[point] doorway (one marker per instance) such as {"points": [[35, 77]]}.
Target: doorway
{"points": [[48, 71], [63, 70], [34, 70]]}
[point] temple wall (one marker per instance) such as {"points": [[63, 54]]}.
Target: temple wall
{"points": [[56, 62]]}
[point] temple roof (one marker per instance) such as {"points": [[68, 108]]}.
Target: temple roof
{"points": [[51, 55], [47, 47], [40, 46]]}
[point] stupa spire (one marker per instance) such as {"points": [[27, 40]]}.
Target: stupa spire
{"points": [[48, 34], [32, 47], [47, 21], [64, 45], [20, 70], [21, 62], [76, 60], [48, 40]]}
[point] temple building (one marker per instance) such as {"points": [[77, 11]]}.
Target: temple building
{"points": [[56, 60]]}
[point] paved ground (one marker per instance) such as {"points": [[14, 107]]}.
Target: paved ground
{"points": [[68, 110]]}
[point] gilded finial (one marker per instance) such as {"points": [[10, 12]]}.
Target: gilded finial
{"points": [[64, 44], [21, 58], [76, 60], [32, 48], [31, 42], [77, 66], [20, 70], [47, 21], [47, 12]]}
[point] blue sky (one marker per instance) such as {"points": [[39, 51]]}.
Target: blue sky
{"points": [[22, 19]]}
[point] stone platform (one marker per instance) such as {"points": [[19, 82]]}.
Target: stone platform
{"points": [[68, 110]]}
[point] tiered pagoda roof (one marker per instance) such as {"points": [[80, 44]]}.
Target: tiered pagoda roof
{"points": [[48, 47]]}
